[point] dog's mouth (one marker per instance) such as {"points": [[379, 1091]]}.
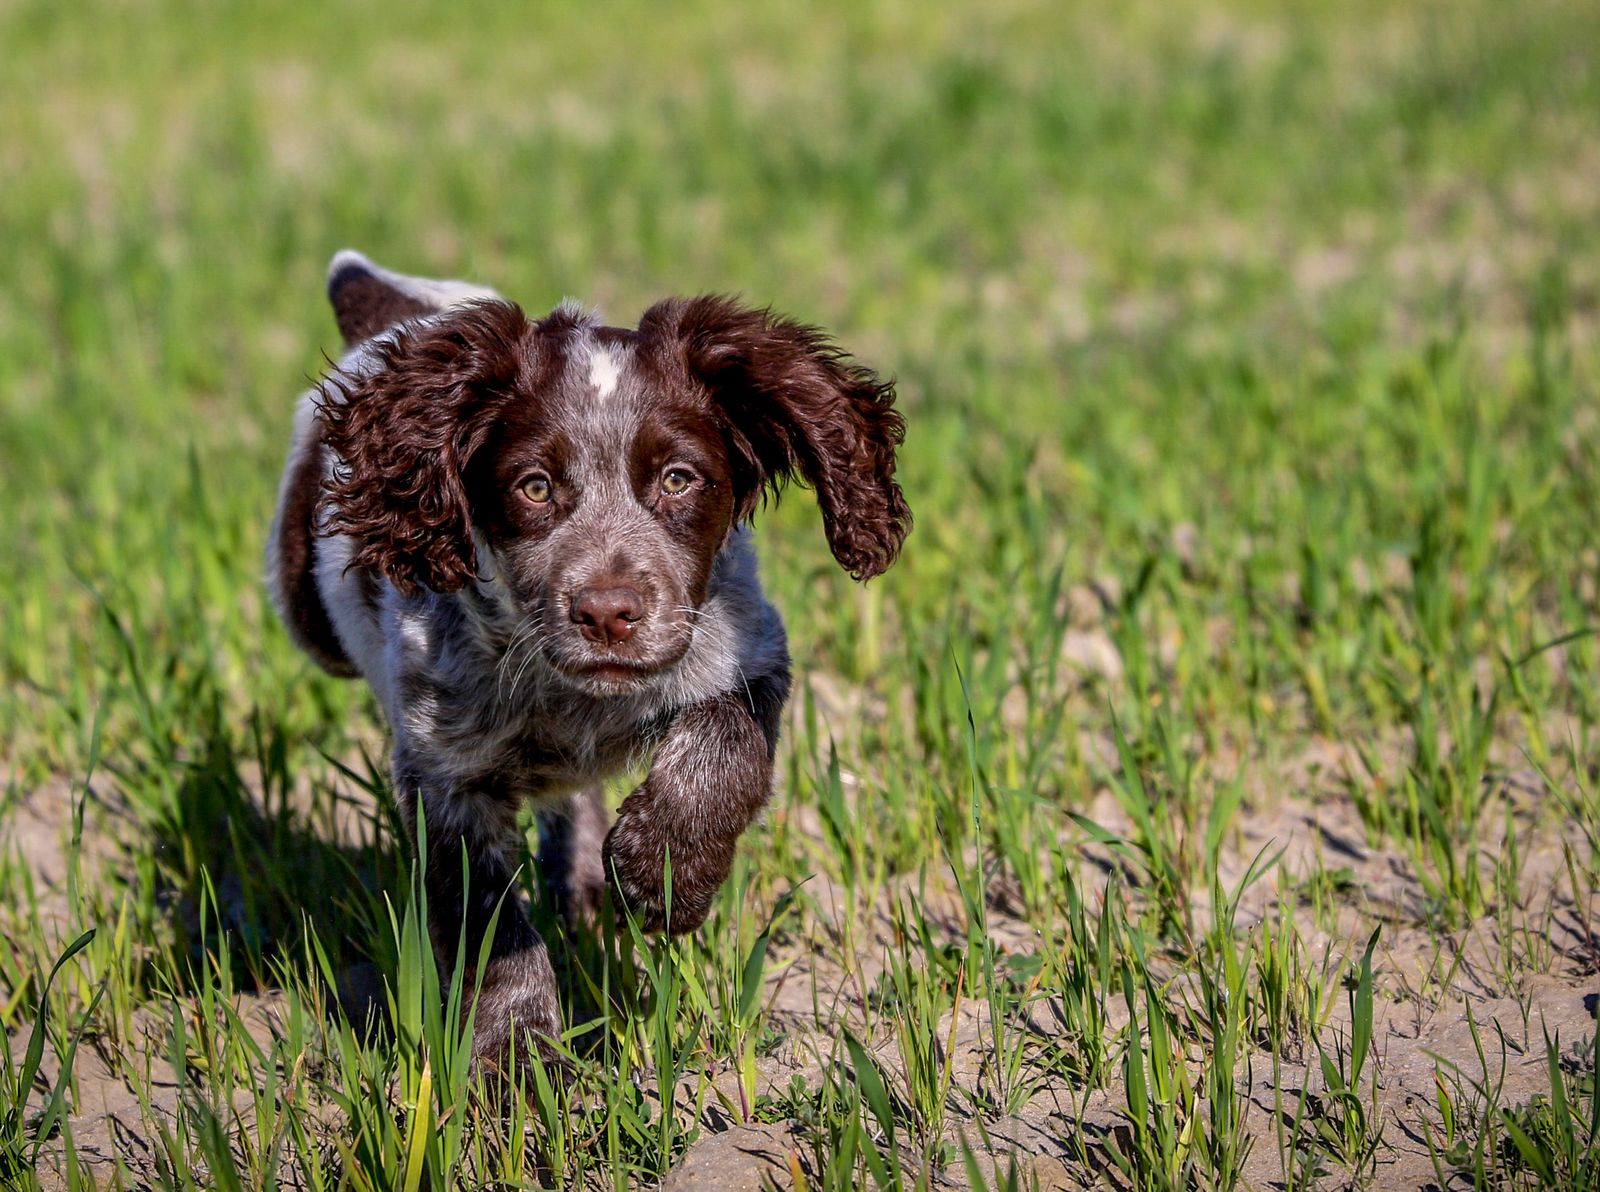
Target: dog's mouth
{"points": [[630, 666], [612, 675]]}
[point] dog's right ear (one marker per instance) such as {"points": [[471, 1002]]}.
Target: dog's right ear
{"points": [[403, 425], [368, 298]]}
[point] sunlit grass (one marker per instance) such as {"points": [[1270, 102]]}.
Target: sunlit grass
{"points": [[1249, 359]]}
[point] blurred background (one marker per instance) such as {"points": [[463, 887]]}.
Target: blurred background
{"points": [[1135, 266]]}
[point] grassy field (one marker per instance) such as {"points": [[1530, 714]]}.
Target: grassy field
{"points": [[1210, 797]]}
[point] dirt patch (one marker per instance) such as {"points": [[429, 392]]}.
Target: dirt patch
{"points": [[1459, 1007], [1463, 1008]]}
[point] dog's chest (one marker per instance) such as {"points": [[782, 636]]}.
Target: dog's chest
{"points": [[545, 744]]}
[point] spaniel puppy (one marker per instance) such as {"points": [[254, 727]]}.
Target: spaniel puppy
{"points": [[529, 536]]}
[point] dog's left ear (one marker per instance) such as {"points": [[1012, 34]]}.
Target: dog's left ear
{"points": [[794, 401]]}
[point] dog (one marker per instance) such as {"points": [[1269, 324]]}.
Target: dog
{"points": [[531, 538]]}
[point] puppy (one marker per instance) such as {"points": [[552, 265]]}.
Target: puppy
{"points": [[530, 537]]}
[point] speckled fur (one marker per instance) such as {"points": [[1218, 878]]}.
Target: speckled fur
{"points": [[483, 679]]}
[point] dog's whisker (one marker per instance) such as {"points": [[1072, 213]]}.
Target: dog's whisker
{"points": [[529, 655], [528, 643], [528, 651], [527, 629]]}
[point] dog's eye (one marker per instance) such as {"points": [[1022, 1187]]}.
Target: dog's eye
{"points": [[537, 489], [676, 480]]}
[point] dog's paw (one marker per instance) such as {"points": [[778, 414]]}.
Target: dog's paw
{"points": [[517, 1013], [636, 854]]}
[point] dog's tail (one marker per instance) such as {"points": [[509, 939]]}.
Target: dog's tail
{"points": [[368, 298]]}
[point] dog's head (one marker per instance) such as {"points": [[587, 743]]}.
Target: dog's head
{"points": [[589, 475]]}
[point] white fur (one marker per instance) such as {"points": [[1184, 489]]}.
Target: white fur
{"points": [[604, 373]]}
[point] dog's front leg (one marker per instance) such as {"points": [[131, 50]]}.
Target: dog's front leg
{"points": [[711, 775], [518, 992]]}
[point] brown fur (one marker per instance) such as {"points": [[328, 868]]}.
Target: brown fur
{"points": [[434, 431], [296, 547], [787, 398], [711, 776], [364, 305], [405, 433], [794, 400]]}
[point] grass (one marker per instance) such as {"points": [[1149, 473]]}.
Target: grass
{"points": [[1207, 799]]}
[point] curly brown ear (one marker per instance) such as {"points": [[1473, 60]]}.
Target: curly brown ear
{"points": [[794, 401], [403, 427]]}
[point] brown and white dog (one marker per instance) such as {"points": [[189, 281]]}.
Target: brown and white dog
{"points": [[529, 536]]}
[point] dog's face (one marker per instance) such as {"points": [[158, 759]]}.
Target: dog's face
{"points": [[602, 499], [590, 475]]}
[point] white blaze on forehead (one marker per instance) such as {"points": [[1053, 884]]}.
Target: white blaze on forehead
{"points": [[604, 372]]}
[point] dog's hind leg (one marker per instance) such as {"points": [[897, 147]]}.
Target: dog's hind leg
{"points": [[570, 839], [293, 544]]}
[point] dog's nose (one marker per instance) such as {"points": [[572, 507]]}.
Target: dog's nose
{"points": [[606, 615]]}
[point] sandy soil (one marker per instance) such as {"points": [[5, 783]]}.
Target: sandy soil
{"points": [[1433, 985]]}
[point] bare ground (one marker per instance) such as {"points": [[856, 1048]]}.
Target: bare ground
{"points": [[1500, 984]]}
